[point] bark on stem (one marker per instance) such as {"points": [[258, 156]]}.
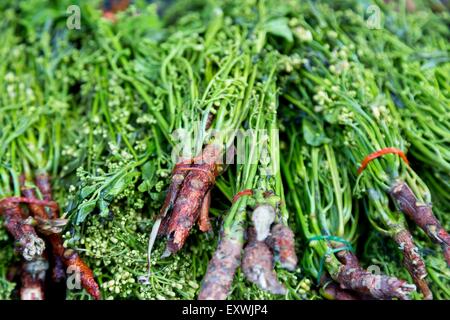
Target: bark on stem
{"points": [[422, 215], [347, 257], [33, 272], [203, 221], [282, 242], [44, 186], [378, 286], [413, 262], [352, 276], [221, 269], [28, 242], [74, 263], [69, 257], [257, 265], [33, 279], [196, 185]]}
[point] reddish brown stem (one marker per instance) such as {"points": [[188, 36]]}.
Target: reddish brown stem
{"points": [[33, 273], [186, 209], [162, 231], [73, 260], [174, 188], [58, 273], [347, 257], [203, 221], [44, 185], [221, 269], [422, 215], [257, 265], [68, 256], [172, 194], [413, 262], [375, 285], [32, 288], [282, 242], [36, 210], [28, 242], [33, 279], [352, 276], [51, 204], [45, 225], [74, 263]]}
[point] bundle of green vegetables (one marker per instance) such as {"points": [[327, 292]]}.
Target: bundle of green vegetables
{"points": [[297, 136]]}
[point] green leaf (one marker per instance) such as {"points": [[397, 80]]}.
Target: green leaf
{"points": [[332, 117], [148, 170], [144, 186], [117, 188], [279, 27], [314, 135], [119, 185], [149, 177], [87, 191], [155, 196], [103, 205], [84, 209]]}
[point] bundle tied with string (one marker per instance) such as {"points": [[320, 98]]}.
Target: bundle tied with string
{"points": [[351, 276], [347, 246], [188, 197], [380, 153]]}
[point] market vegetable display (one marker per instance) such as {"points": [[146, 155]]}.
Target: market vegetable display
{"points": [[259, 187], [309, 141], [330, 223]]}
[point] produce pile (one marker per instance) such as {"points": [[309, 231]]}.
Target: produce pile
{"points": [[250, 149]]}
